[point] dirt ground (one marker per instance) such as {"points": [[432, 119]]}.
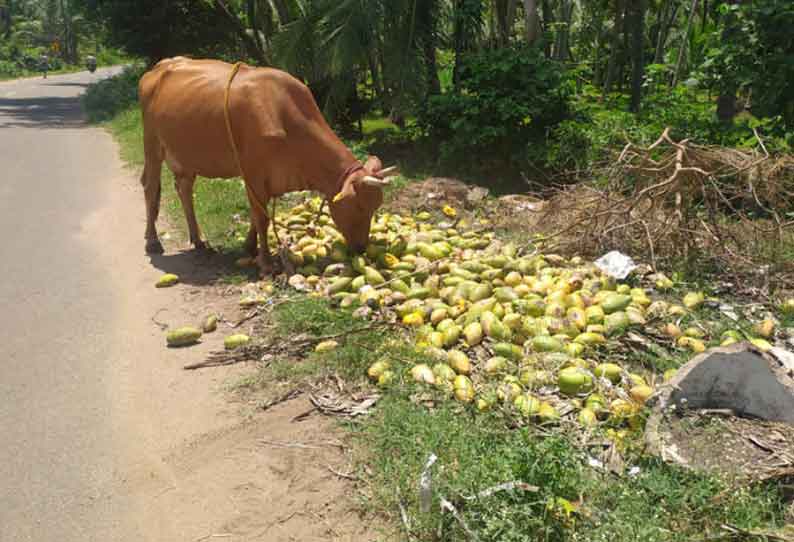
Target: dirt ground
{"points": [[732, 445], [260, 475]]}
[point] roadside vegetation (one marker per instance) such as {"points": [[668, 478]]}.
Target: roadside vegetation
{"points": [[570, 500], [521, 97], [30, 28]]}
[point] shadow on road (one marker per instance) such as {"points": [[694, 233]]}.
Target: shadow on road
{"points": [[69, 84], [200, 267], [47, 112]]}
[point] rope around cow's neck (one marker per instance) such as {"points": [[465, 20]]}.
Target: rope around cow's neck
{"points": [[251, 195]]}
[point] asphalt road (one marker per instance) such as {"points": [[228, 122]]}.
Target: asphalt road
{"points": [[56, 439], [103, 436]]}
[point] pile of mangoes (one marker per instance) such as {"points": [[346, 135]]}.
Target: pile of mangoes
{"points": [[506, 327]]}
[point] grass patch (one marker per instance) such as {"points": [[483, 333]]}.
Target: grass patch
{"points": [[479, 450], [359, 347], [574, 502]]}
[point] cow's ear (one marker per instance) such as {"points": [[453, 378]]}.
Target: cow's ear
{"points": [[348, 191], [373, 164]]}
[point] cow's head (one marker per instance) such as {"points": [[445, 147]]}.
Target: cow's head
{"points": [[358, 199]]}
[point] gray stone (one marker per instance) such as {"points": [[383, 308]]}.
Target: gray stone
{"points": [[739, 377]]}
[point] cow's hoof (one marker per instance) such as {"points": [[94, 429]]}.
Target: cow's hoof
{"points": [[265, 269], [202, 246], [154, 246], [251, 249]]}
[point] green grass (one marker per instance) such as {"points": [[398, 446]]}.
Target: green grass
{"points": [[480, 450], [476, 452]]}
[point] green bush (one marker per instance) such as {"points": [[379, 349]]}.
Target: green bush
{"points": [[105, 99], [505, 99], [598, 130], [10, 69], [753, 53]]}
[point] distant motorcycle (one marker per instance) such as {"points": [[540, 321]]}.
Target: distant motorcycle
{"points": [[90, 63], [44, 64]]}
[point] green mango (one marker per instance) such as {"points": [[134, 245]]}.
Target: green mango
{"points": [[509, 351], [183, 336], [236, 341], [615, 302], [340, 285]]}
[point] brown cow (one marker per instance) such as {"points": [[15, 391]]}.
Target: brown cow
{"points": [[283, 141]]}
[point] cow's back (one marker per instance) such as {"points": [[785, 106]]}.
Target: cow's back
{"points": [[279, 130]]}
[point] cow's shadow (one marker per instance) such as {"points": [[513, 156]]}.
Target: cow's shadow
{"points": [[201, 267]]}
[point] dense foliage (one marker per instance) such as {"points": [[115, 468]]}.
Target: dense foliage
{"points": [[760, 61], [154, 29], [56, 28], [534, 85], [505, 99]]}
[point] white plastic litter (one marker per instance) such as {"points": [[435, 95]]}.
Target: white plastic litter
{"points": [[616, 264], [426, 486]]}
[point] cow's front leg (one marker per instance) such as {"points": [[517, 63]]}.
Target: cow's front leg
{"points": [[264, 259], [260, 222]]}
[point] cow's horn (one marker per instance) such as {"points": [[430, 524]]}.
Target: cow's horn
{"points": [[384, 172], [369, 179]]}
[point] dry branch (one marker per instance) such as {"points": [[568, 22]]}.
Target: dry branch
{"points": [[274, 346], [676, 199]]}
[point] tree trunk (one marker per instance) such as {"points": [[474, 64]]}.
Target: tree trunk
{"points": [[512, 9], [597, 73], [548, 24], [433, 82], [531, 21], [251, 45], [624, 53], [562, 49], [505, 11], [665, 23], [426, 23], [505, 14], [684, 43], [284, 15], [5, 20], [638, 65], [726, 102], [374, 69], [614, 54], [254, 23]]}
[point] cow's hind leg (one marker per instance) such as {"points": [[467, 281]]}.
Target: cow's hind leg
{"points": [[250, 245], [260, 223], [184, 187], [151, 181]]}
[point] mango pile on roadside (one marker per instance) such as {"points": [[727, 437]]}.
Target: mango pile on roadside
{"points": [[521, 329]]}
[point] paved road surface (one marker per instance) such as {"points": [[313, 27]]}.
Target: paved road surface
{"points": [[86, 412]]}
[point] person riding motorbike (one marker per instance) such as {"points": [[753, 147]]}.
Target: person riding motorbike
{"points": [[90, 63], [44, 64]]}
